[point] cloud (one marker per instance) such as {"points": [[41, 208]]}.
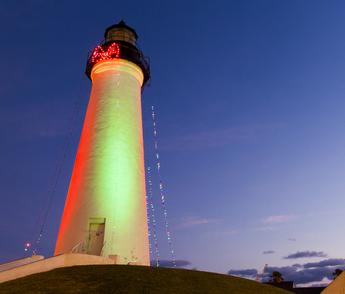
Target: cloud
{"points": [[244, 273], [305, 254], [314, 272], [193, 221], [168, 263], [217, 137], [325, 262], [318, 285], [266, 228], [268, 252], [302, 276], [278, 219], [228, 232], [219, 233]]}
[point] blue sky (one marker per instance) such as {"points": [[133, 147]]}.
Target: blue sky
{"points": [[250, 104]]}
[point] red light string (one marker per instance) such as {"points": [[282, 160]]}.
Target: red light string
{"points": [[99, 54], [152, 219], [161, 187]]}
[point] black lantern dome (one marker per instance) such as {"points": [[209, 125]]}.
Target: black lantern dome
{"points": [[121, 32]]}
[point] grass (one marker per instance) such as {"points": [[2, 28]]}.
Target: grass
{"points": [[124, 279]]}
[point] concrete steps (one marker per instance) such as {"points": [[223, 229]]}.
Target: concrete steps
{"points": [[19, 262], [37, 264]]}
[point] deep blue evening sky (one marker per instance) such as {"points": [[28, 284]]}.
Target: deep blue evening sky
{"points": [[250, 97]]}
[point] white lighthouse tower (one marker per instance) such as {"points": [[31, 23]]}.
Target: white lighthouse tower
{"points": [[105, 209]]}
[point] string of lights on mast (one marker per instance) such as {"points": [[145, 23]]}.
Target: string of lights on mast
{"points": [[161, 187], [151, 219]]}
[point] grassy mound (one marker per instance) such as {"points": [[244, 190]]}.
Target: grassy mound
{"points": [[133, 279]]}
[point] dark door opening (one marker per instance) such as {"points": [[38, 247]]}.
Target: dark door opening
{"points": [[96, 236]]}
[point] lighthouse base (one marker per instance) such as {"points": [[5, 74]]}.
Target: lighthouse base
{"points": [[19, 269]]}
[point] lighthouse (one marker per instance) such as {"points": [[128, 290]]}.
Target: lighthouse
{"points": [[105, 209]]}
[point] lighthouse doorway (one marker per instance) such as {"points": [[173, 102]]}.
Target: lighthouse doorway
{"points": [[96, 236]]}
